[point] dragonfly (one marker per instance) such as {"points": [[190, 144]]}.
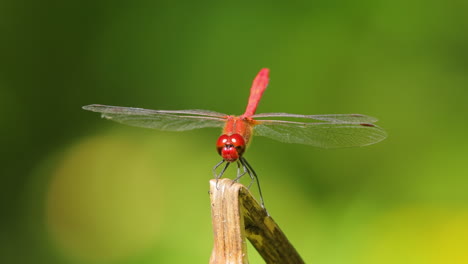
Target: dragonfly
{"points": [[324, 131]]}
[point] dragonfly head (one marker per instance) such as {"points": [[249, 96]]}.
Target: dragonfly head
{"points": [[230, 147]]}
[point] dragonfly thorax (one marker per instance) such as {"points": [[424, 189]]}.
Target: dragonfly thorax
{"points": [[230, 147]]}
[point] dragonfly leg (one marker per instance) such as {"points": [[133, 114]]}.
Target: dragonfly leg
{"points": [[253, 176], [239, 174], [246, 170], [217, 176], [216, 167]]}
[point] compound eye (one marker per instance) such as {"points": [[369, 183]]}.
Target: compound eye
{"points": [[222, 141], [238, 142]]}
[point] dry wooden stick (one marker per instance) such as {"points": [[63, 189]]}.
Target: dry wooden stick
{"points": [[235, 215]]}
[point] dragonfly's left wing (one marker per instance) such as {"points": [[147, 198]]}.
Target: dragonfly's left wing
{"points": [[169, 120], [322, 134], [334, 118]]}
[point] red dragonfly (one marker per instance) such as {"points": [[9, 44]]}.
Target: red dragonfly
{"points": [[331, 131]]}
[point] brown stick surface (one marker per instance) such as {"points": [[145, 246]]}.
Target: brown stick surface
{"points": [[236, 215]]}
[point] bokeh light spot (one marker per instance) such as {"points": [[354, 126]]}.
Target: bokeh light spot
{"points": [[103, 200]]}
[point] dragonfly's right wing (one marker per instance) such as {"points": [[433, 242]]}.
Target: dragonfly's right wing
{"points": [[177, 120]]}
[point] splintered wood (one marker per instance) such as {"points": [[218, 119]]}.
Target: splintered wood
{"points": [[236, 215]]}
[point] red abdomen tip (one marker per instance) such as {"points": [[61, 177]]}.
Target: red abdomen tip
{"points": [[259, 85], [265, 72]]}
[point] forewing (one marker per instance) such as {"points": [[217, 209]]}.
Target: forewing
{"points": [[334, 118], [323, 135], [177, 120]]}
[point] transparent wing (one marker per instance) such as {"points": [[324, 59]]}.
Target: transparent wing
{"points": [[323, 135], [177, 120], [337, 118]]}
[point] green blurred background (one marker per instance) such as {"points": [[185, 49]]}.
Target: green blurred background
{"points": [[79, 189]]}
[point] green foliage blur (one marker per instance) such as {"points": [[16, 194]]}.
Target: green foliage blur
{"points": [[79, 189]]}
